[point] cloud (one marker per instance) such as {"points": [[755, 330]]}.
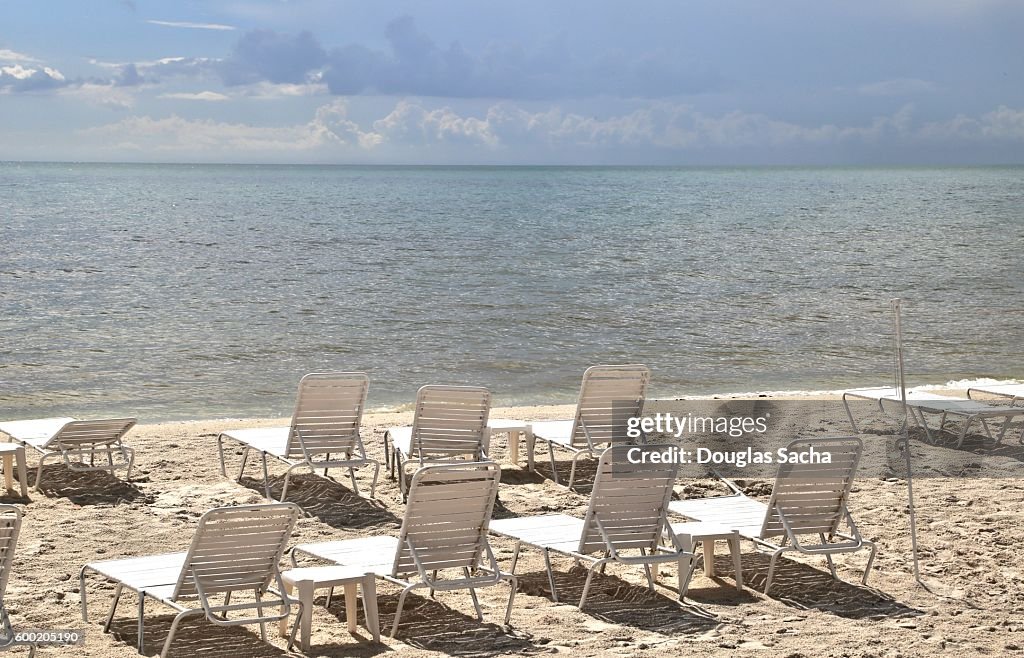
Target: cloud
{"points": [[413, 131], [264, 55], [198, 96], [18, 78], [194, 26], [415, 65], [11, 56], [897, 87], [330, 127], [108, 96]]}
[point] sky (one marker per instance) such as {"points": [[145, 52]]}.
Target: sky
{"points": [[658, 82]]}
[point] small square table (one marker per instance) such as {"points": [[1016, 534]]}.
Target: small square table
{"points": [[308, 579], [692, 532]]}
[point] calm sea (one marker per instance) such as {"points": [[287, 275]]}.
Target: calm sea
{"points": [[177, 291]]}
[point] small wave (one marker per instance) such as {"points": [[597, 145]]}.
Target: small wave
{"points": [[965, 384]]}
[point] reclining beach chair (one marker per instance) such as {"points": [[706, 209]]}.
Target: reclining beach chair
{"points": [[235, 549], [627, 512], [328, 411], [448, 426], [84, 445], [921, 402], [444, 530], [609, 397], [1013, 391], [10, 526], [808, 499]]}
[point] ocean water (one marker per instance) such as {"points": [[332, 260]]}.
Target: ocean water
{"points": [[179, 291]]}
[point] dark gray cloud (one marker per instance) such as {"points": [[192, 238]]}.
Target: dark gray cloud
{"points": [[265, 55], [414, 64]]}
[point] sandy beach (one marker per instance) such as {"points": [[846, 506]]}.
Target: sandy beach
{"points": [[970, 532]]}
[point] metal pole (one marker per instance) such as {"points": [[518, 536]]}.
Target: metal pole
{"points": [[904, 438]]}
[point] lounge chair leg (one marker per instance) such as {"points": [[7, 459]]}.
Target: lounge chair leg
{"points": [[771, 569], [647, 572], [515, 558], [327, 456], [113, 608], [174, 629], [472, 594], [39, 471], [352, 476], [373, 484], [387, 455], [284, 487], [513, 584], [82, 596], [828, 558], [330, 595], [142, 613], [849, 414], [266, 477], [531, 445], [220, 454], [241, 470], [871, 560], [551, 575], [433, 577], [590, 578], [227, 600], [259, 611], [551, 455], [398, 612], [131, 463], [572, 469]]}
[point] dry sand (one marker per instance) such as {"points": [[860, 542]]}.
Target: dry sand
{"points": [[971, 535]]}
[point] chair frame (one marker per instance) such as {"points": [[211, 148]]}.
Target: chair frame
{"points": [[189, 581], [425, 561], [589, 445], [435, 400], [10, 528], [597, 532], [943, 406], [296, 436], [77, 439], [776, 513]]}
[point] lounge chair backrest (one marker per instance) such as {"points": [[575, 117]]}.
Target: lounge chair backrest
{"points": [[449, 422], [812, 497], [10, 526], [629, 502], [236, 548], [328, 411], [447, 516], [609, 397], [78, 434]]}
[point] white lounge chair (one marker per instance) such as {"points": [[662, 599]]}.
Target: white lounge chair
{"points": [[444, 530], [609, 397], [10, 526], [627, 512], [1013, 391], [921, 402], [328, 412], [84, 445], [808, 499], [448, 425], [235, 549]]}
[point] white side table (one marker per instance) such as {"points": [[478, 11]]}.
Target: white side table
{"points": [[308, 579], [14, 453], [511, 427], [692, 532]]}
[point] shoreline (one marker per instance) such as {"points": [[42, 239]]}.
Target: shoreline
{"points": [[392, 414]]}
